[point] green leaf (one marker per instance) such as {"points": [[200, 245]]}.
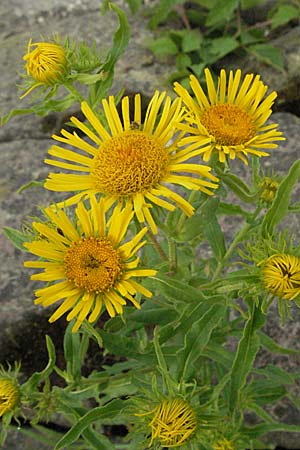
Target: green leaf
{"points": [[273, 347], [16, 237], [120, 43], [212, 231], [134, 5], [222, 12], [247, 348], [220, 47], [251, 3], [177, 290], [192, 313], [263, 428], [96, 414], [163, 46], [237, 185], [197, 338], [162, 10], [283, 15], [268, 54], [191, 40], [72, 351], [232, 210], [279, 208], [13, 113], [38, 377]]}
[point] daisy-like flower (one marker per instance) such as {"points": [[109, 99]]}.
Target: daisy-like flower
{"points": [[173, 423], [87, 266], [230, 120], [9, 395], [46, 63], [223, 444], [281, 276], [131, 162]]}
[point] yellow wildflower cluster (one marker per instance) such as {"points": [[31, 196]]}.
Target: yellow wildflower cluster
{"points": [[133, 164]]}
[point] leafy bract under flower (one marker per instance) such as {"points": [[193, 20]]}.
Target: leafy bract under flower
{"points": [[9, 395], [281, 276], [173, 423], [87, 266], [223, 444], [46, 63], [230, 120], [133, 162]]}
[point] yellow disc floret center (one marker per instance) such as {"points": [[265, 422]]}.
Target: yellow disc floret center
{"points": [[93, 264], [228, 124], [130, 163]]}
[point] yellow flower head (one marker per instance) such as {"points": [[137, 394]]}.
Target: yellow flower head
{"points": [[174, 421], [132, 162], [87, 266], [9, 395], [281, 276], [46, 63], [223, 444], [230, 120]]}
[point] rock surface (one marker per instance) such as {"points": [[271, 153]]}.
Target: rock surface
{"points": [[24, 142]]}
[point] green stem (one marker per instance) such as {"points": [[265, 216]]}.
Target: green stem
{"points": [[238, 238], [183, 216], [157, 246], [172, 254], [74, 91]]}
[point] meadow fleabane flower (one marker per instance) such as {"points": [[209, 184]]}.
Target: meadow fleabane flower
{"points": [[87, 265], [173, 423], [46, 64], [135, 161], [9, 395], [281, 276], [231, 119]]}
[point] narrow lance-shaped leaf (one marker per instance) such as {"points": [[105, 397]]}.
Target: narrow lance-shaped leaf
{"points": [[120, 43], [247, 348], [213, 231], [279, 208], [197, 338], [96, 414], [16, 237], [38, 377]]}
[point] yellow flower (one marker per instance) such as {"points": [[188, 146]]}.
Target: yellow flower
{"points": [[230, 120], [281, 276], [223, 444], [46, 63], [87, 266], [9, 395], [132, 162], [174, 421]]}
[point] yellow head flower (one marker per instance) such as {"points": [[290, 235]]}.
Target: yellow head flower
{"points": [[174, 421], [281, 276], [46, 63], [87, 266], [223, 444], [230, 120], [132, 162], [9, 395]]}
